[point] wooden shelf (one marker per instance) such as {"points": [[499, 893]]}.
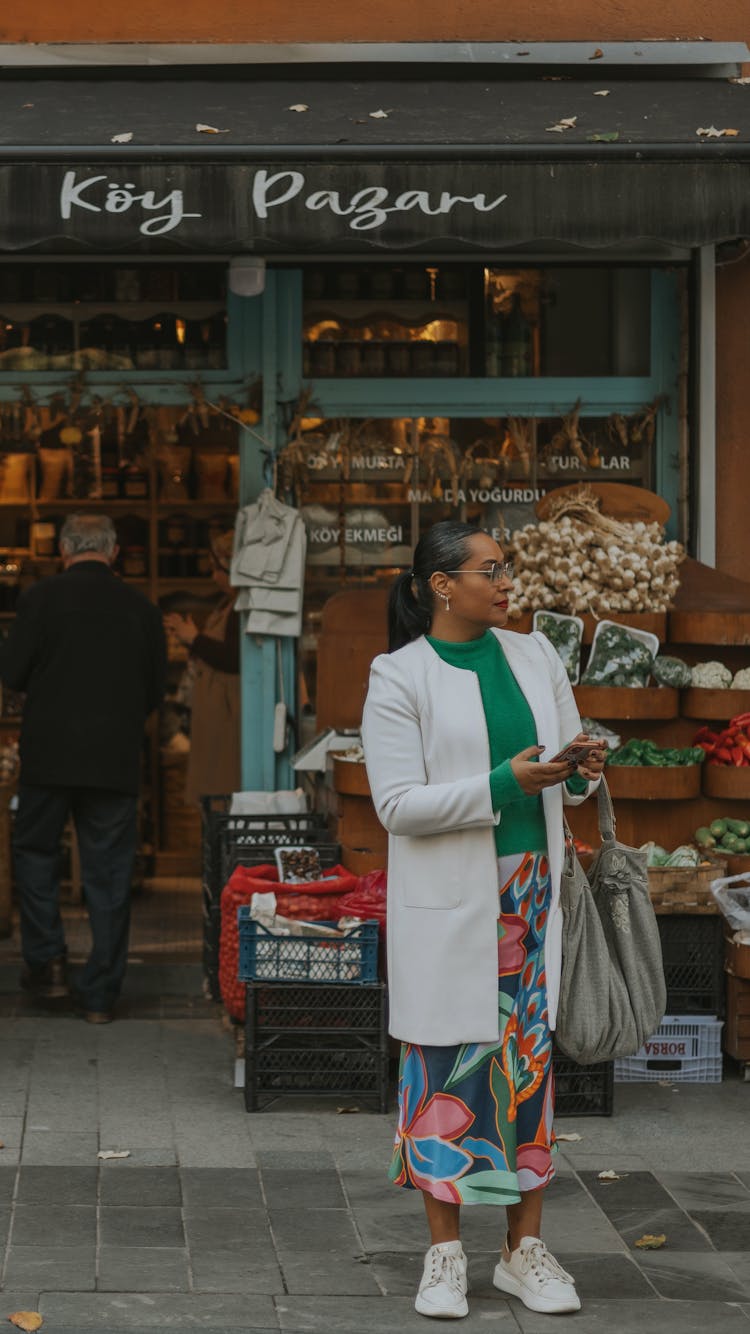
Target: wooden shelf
{"points": [[627, 701], [724, 780], [698, 702], [646, 782]]}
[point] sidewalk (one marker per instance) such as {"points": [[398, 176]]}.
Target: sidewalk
{"points": [[284, 1220]]}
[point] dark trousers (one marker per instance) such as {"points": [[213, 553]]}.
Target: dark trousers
{"points": [[105, 823]]}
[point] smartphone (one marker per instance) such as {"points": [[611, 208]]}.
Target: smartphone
{"points": [[576, 752]]}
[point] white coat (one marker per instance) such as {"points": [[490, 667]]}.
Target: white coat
{"points": [[428, 760]]}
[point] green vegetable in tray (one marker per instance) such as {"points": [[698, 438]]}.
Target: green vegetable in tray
{"points": [[565, 634], [718, 828], [705, 839], [739, 827], [683, 856], [636, 752], [671, 672], [618, 658]]}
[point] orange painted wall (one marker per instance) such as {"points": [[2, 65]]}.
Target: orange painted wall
{"points": [[389, 20]]}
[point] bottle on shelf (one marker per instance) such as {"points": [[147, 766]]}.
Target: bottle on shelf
{"points": [[516, 356]]}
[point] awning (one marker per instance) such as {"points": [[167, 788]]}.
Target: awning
{"points": [[319, 163]]}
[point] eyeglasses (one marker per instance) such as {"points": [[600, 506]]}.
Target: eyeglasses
{"points": [[495, 572]]}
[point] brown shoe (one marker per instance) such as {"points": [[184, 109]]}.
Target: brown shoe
{"points": [[98, 1016], [48, 980]]}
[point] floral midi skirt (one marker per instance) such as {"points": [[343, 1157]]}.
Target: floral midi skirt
{"points": [[475, 1120]]}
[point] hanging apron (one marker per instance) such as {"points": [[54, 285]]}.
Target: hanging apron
{"points": [[214, 761]]}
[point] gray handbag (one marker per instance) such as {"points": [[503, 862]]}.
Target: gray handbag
{"points": [[612, 992]]}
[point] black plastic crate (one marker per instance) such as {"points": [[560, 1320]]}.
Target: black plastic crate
{"points": [[295, 1045], [351, 959], [582, 1090], [318, 1008], [692, 948], [221, 831], [211, 939]]}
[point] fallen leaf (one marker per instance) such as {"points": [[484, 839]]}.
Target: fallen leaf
{"points": [[602, 92], [612, 1176], [379, 115], [568, 1139], [2, 1144], [105, 1154], [523, 53], [649, 1242], [597, 54], [122, 138], [742, 80], [564, 123], [209, 129], [711, 132], [27, 1320], [610, 137], [346, 1111], [26, 105], [299, 106]]}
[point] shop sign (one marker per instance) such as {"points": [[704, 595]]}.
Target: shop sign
{"points": [[354, 206], [369, 537]]}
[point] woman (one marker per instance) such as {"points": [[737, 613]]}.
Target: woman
{"points": [[457, 718], [214, 762]]}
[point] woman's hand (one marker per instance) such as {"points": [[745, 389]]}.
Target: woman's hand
{"points": [[183, 627], [593, 766], [532, 776]]}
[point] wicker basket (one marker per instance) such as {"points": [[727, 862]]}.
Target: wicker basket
{"points": [[684, 889], [652, 782]]}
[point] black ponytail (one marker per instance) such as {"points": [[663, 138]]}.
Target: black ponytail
{"points": [[445, 546]]}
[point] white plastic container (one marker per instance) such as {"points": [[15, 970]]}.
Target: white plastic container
{"points": [[685, 1049], [537, 624], [645, 636]]}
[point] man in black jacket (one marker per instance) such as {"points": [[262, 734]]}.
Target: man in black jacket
{"points": [[89, 653]]}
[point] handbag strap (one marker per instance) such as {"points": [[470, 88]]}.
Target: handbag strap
{"points": [[607, 822], [605, 812]]}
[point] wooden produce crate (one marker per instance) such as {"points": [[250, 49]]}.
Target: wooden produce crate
{"points": [[737, 1026], [714, 705], [726, 781], [737, 958], [627, 701], [646, 782], [684, 889], [350, 777]]}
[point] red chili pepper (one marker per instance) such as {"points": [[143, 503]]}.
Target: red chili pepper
{"points": [[738, 756], [724, 755], [744, 744]]}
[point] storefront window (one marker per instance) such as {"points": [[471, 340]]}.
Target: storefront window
{"points": [[111, 317], [447, 320]]}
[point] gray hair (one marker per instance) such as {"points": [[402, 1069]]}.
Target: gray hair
{"points": [[88, 532]]}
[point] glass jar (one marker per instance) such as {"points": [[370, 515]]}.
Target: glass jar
{"points": [[134, 562], [135, 486], [373, 358], [398, 358], [110, 483], [349, 358], [423, 358], [323, 357]]}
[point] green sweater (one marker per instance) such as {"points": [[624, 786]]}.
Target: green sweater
{"points": [[511, 728]]}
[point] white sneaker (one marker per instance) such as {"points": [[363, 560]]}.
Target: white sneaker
{"points": [[534, 1275], [442, 1292]]}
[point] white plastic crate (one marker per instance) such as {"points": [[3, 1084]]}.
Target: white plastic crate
{"points": [[686, 1049]]}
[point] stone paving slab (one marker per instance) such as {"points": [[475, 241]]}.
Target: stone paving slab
{"points": [[170, 1310], [360, 1315], [633, 1317]]}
